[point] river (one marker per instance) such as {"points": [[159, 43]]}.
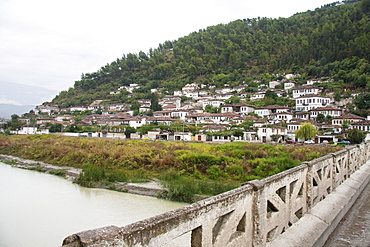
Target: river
{"points": [[38, 209]]}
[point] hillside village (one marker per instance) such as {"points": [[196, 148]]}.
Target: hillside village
{"points": [[192, 106]]}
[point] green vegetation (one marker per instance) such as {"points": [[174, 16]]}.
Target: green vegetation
{"points": [[58, 172], [355, 136], [306, 131], [185, 168], [332, 41]]}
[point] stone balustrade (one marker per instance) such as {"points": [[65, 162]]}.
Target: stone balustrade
{"points": [[253, 215]]}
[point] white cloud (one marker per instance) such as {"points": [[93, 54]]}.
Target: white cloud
{"points": [[51, 43]]}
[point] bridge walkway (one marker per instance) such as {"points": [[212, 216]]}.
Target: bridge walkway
{"points": [[354, 229]]}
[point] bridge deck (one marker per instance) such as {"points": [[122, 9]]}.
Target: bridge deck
{"points": [[354, 229]]}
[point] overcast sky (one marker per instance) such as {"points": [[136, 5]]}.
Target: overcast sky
{"points": [[51, 43]]}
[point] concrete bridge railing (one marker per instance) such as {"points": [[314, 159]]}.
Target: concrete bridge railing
{"points": [[267, 212]]}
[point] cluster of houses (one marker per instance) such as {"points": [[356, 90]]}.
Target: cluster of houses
{"points": [[268, 122]]}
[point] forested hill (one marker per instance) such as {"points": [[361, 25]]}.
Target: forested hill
{"points": [[236, 52]]}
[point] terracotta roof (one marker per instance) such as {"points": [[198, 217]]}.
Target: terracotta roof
{"points": [[302, 113], [349, 116], [238, 104], [364, 122], [312, 95], [305, 87], [328, 108], [282, 113], [273, 107]]}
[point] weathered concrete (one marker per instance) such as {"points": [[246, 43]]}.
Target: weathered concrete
{"points": [[315, 227], [353, 229], [298, 207]]}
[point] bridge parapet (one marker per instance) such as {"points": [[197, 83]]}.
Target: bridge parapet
{"points": [[252, 215]]}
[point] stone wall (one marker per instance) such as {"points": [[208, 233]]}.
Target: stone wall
{"points": [[259, 213]]}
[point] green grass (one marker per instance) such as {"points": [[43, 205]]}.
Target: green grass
{"points": [[200, 168]]}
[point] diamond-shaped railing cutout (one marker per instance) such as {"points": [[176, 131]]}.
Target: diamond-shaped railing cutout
{"points": [[271, 207], [292, 186], [319, 173], [282, 193], [271, 234], [242, 223], [218, 226], [196, 236], [314, 182], [299, 213]]}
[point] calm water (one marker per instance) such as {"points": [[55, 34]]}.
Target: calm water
{"points": [[38, 209]]}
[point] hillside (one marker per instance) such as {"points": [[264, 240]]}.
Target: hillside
{"points": [[331, 41]]}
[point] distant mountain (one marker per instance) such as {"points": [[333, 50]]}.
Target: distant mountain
{"points": [[6, 110], [17, 98]]}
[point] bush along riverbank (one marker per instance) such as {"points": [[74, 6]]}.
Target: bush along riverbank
{"points": [[184, 169]]}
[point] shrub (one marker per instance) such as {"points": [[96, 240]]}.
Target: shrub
{"points": [[91, 176], [183, 189], [58, 172], [214, 172]]}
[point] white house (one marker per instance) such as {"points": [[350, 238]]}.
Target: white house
{"points": [[224, 96], [49, 109], [217, 118], [117, 106], [304, 90], [313, 81], [303, 115], [264, 133], [362, 125], [63, 117], [239, 108], [135, 122], [273, 84], [190, 87], [267, 110], [27, 130], [351, 118], [326, 111], [181, 114], [223, 90], [280, 117], [163, 120], [258, 96], [213, 103], [192, 94], [289, 85], [78, 108], [131, 87], [309, 102]]}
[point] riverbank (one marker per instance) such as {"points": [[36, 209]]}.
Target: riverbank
{"points": [[152, 188]]}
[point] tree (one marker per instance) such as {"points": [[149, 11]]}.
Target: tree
{"points": [[212, 109], [362, 101], [306, 131], [345, 126], [233, 100], [238, 133], [247, 124], [355, 136], [271, 94], [320, 118], [57, 127], [14, 123], [154, 103], [128, 131]]}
